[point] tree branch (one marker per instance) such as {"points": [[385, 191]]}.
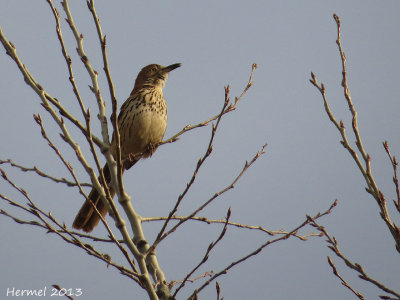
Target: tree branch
{"points": [[372, 187], [261, 248], [333, 245]]}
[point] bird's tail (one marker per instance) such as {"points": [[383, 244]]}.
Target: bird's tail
{"points": [[87, 218]]}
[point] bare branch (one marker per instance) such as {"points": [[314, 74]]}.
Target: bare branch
{"points": [[230, 223], [41, 173], [191, 280], [262, 247], [393, 160], [116, 167], [60, 289], [216, 195], [227, 110], [198, 166], [333, 245], [38, 120], [335, 272], [62, 231], [103, 44], [206, 255], [29, 79], [67, 58], [365, 166], [218, 288]]}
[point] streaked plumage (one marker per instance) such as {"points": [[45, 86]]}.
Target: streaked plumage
{"points": [[142, 122]]}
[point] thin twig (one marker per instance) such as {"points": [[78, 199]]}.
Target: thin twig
{"points": [[344, 283], [365, 166], [262, 247], [218, 288], [198, 166], [191, 280], [30, 80], [62, 232], [227, 110], [60, 289], [46, 100], [333, 245], [216, 195], [41, 173], [67, 58], [394, 162], [69, 167], [95, 89], [114, 167], [230, 223], [116, 136], [206, 255]]}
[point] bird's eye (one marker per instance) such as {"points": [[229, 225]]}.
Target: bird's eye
{"points": [[153, 70]]}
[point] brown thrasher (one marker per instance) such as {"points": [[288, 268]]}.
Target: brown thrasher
{"points": [[141, 122]]}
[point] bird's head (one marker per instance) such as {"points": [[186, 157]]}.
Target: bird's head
{"points": [[153, 76]]}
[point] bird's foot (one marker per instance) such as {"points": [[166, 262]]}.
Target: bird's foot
{"points": [[130, 160], [150, 149]]}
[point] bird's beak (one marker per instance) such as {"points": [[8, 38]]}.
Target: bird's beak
{"points": [[171, 67]]}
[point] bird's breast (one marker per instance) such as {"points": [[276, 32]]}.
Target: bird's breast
{"points": [[142, 122]]}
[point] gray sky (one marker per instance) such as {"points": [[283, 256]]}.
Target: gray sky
{"points": [[302, 172]]}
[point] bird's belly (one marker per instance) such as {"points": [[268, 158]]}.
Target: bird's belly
{"points": [[147, 129]]}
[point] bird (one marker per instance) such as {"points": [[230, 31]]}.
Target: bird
{"points": [[141, 122]]}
